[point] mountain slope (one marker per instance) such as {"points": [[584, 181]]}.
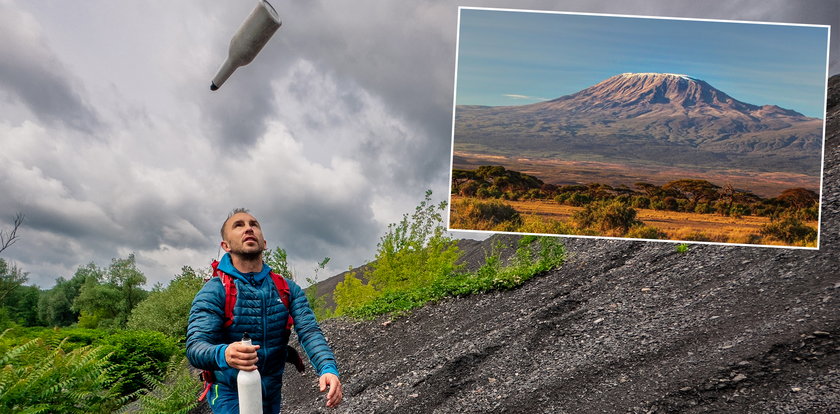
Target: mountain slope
{"points": [[652, 115], [622, 327]]}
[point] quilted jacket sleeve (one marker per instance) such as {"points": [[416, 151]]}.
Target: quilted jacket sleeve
{"points": [[204, 330], [309, 333]]}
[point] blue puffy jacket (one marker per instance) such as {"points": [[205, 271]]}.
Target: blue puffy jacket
{"points": [[260, 312]]}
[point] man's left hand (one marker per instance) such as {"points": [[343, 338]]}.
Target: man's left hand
{"points": [[334, 395]]}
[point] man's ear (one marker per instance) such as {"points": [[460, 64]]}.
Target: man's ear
{"points": [[225, 246]]}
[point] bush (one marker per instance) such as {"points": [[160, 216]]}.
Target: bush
{"points": [[610, 218], [167, 310], [485, 215], [134, 355], [40, 378], [530, 260], [174, 394], [791, 231], [352, 293], [645, 232]]}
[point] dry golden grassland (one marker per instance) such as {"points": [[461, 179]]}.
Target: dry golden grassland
{"points": [[676, 225]]}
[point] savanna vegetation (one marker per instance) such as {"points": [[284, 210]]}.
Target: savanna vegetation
{"points": [[97, 342], [484, 199]]}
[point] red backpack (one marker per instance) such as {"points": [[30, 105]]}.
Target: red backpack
{"points": [[292, 355]]}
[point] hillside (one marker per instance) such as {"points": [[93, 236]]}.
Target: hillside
{"points": [[647, 118], [622, 327]]}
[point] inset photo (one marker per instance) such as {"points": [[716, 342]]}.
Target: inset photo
{"points": [[616, 126]]}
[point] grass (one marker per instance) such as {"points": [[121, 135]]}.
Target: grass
{"points": [[554, 218]]}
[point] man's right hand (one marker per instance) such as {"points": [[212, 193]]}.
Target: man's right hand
{"points": [[242, 357]]}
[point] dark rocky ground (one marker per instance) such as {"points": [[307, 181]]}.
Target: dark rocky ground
{"points": [[622, 327]]}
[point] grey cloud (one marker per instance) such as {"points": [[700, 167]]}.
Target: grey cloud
{"points": [[31, 73]]}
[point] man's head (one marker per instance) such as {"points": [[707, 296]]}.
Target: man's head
{"points": [[242, 235]]}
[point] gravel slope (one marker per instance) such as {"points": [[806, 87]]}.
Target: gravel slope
{"points": [[622, 327]]}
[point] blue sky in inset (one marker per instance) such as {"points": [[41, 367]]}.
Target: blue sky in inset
{"points": [[516, 58]]}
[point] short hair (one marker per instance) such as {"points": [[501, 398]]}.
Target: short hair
{"points": [[232, 213]]}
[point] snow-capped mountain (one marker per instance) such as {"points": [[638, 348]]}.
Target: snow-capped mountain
{"points": [[659, 111]]}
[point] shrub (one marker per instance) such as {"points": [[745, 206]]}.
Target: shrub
{"points": [[640, 202], [645, 232], [40, 378], [352, 293], [174, 394], [610, 218], [136, 354], [536, 224], [485, 215], [167, 310], [791, 231]]}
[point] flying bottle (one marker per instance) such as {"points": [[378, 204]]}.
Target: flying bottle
{"points": [[248, 41], [250, 388]]}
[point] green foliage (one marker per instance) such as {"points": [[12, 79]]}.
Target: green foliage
{"points": [[529, 261], [415, 251], [610, 218], [352, 293], [167, 310], [133, 355], [791, 230], [174, 394], [485, 215], [22, 305], [11, 277], [317, 303], [645, 232], [278, 261], [39, 378], [106, 298], [682, 248]]}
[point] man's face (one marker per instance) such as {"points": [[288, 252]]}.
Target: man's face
{"points": [[243, 235]]}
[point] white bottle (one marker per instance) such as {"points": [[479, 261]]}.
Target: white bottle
{"points": [[250, 388], [248, 40]]}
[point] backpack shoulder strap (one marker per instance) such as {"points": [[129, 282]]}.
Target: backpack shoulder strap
{"points": [[230, 292], [283, 290]]}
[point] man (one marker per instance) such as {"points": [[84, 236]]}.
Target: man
{"points": [[261, 314]]}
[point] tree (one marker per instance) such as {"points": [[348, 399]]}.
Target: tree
{"points": [[693, 190], [55, 306], [22, 305], [8, 238], [799, 198], [125, 276], [11, 277], [352, 293], [167, 310], [415, 251]]}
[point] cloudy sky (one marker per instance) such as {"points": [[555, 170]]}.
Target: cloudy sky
{"points": [[111, 142]]}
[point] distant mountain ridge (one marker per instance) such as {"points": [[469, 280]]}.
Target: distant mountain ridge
{"points": [[671, 116]]}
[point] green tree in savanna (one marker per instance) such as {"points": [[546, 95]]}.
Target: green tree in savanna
{"points": [[167, 309], [695, 191]]}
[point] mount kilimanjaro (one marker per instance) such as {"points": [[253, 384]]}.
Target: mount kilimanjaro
{"points": [[648, 118]]}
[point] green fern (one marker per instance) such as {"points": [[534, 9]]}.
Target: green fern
{"points": [[44, 378], [174, 394]]}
